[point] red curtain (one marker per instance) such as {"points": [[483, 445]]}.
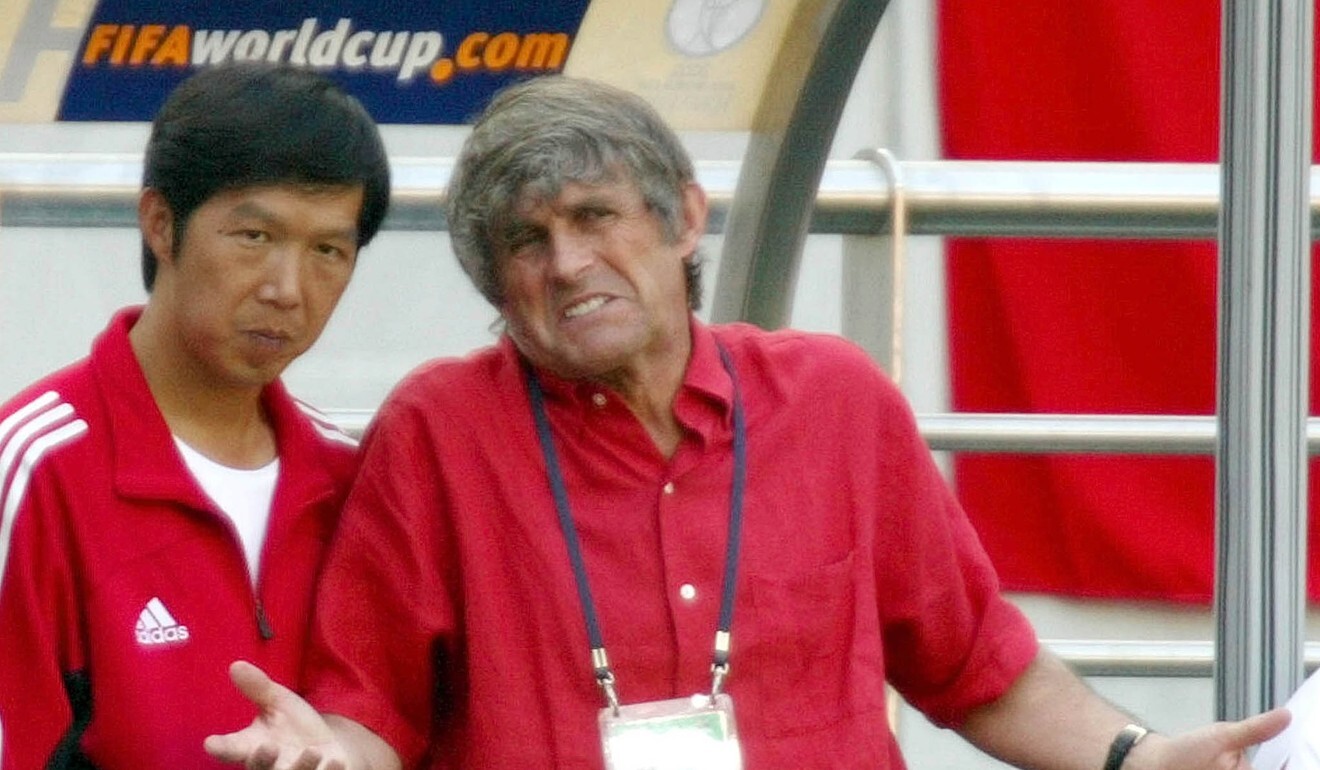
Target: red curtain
{"points": [[1086, 326]]}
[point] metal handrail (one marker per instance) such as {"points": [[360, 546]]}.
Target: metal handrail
{"points": [[1066, 434], [968, 198], [1029, 433], [1181, 659]]}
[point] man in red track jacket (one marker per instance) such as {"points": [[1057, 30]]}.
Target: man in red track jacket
{"points": [[164, 503]]}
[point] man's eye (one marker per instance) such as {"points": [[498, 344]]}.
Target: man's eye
{"points": [[522, 241], [333, 252], [255, 236]]}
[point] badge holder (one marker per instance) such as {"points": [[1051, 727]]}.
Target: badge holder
{"points": [[694, 733]]}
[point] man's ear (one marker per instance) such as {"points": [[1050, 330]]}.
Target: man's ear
{"points": [[695, 211], [156, 221]]}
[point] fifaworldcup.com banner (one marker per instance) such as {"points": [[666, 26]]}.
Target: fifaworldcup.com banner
{"points": [[704, 63], [408, 63]]}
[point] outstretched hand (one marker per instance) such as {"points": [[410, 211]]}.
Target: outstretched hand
{"points": [[1220, 746], [287, 734]]}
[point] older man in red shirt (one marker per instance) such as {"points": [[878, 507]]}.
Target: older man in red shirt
{"points": [[621, 531]]}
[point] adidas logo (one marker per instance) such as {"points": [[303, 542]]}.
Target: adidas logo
{"points": [[157, 626]]}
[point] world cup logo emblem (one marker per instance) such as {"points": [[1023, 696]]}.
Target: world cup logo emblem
{"points": [[705, 27]]}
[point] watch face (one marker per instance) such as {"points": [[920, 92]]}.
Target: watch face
{"points": [[705, 27]]}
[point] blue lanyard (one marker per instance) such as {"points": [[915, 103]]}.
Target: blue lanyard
{"points": [[599, 660]]}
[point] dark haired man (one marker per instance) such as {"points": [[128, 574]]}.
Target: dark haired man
{"points": [[164, 503]]}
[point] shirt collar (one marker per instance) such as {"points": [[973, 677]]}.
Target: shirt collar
{"points": [[147, 462], [704, 403]]}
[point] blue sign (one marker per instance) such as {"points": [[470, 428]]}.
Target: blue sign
{"points": [[436, 62]]}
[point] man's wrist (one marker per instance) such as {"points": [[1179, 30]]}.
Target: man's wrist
{"points": [[1123, 744]]}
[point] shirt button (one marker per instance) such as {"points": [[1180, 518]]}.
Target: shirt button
{"points": [[669, 487], [687, 591], [599, 399]]}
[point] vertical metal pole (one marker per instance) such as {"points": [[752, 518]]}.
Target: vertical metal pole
{"points": [[872, 291], [1264, 304]]}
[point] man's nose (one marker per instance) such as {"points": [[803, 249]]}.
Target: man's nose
{"points": [[571, 253], [282, 283]]}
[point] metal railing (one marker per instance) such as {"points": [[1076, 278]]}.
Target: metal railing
{"points": [[974, 198], [1163, 659]]}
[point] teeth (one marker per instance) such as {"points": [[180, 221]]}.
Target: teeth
{"points": [[582, 308]]}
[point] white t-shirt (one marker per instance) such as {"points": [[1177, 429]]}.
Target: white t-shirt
{"points": [[244, 495], [1299, 744]]}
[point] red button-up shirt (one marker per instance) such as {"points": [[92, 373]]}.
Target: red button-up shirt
{"points": [[449, 620]]}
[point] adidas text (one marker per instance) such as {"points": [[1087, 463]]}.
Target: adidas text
{"points": [[163, 635]]}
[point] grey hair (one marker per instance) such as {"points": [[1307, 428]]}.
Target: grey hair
{"points": [[538, 135]]}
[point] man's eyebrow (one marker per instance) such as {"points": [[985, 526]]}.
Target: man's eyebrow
{"points": [[254, 209], [594, 204]]}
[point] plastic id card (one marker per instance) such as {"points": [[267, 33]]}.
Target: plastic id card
{"points": [[692, 733]]}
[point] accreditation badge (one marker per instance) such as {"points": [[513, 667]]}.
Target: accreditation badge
{"points": [[695, 733]]}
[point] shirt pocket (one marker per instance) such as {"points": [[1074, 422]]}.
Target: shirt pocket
{"points": [[795, 659]]}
